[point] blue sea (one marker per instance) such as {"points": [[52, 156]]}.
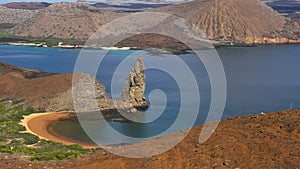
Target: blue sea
{"points": [[259, 79]]}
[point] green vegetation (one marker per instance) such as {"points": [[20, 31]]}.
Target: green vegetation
{"points": [[171, 50], [176, 51], [14, 140], [7, 37]]}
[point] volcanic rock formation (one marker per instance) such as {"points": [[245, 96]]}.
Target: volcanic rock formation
{"points": [[134, 89]]}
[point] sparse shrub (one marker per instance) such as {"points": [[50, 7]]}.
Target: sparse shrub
{"points": [[5, 149], [12, 141], [30, 138], [18, 101]]}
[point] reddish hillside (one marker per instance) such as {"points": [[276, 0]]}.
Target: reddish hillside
{"points": [[41, 90], [27, 73], [36, 91], [255, 141]]}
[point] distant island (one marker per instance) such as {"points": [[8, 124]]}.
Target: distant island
{"points": [[225, 23]]}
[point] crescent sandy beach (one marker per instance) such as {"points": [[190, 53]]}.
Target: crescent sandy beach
{"points": [[39, 124]]}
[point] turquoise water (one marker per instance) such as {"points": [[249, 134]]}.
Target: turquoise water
{"points": [[258, 78]]}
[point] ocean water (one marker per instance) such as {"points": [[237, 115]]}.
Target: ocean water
{"points": [[259, 79]]}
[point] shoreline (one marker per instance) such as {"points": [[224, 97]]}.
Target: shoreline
{"points": [[38, 124], [180, 51], [174, 51], [40, 45]]}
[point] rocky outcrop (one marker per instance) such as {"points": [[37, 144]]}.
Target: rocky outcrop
{"points": [[85, 95], [55, 92], [89, 95], [135, 85]]}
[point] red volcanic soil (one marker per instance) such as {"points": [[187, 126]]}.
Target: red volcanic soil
{"points": [[254, 141], [35, 86], [27, 73], [36, 91], [27, 5], [151, 40]]}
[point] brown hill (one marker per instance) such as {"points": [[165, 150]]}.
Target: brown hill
{"points": [[249, 21], [27, 73], [65, 20], [41, 90], [255, 141], [37, 91], [151, 40], [10, 17], [26, 5]]}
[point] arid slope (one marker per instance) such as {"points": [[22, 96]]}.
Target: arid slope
{"points": [[27, 5], [10, 17], [247, 21], [65, 20]]}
